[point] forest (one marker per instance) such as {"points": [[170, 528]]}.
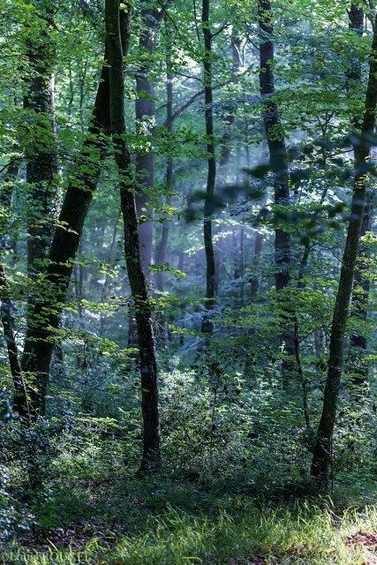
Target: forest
{"points": [[187, 268]]}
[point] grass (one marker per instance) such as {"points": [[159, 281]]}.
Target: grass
{"points": [[304, 533], [93, 511]]}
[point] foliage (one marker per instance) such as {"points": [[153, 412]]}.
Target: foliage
{"points": [[237, 435]]}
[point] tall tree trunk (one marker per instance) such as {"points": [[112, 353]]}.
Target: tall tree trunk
{"points": [[230, 116], [207, 324], [358, 367], [40, 150], [275, 139], [161, 247], [322, 455], [279, 167], [139, 289], [45, 315], [145, 110]]}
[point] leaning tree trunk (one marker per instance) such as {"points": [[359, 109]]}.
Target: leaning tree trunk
{"points": [[322, 455], [139, 288], [45, 316], [207, 324]]}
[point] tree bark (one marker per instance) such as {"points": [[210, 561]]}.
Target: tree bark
{"points": [[143, 313], [6, 309], [207, 324], [145, 109], [322, 455], [275, 139], [40, 150], [358, 368], [279, 167], [45, 315]]}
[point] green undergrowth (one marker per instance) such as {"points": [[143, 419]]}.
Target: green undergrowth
{"points": [[237, 503], [240, 533]]}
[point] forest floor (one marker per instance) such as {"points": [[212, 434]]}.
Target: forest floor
{"points": [[115, 521], [93, 510]]}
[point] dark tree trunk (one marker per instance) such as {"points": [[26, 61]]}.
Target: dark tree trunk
{"points": [[275, 139], [322, 455], [139, 289], [145, 109], [279, 167], [45, 315], [207, 325], [40, 150], [358, 367]]}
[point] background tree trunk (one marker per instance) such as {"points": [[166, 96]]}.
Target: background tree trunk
{"points": [[358, 367], [145, 111], [279, 167], [147, 356], [207, 324]]}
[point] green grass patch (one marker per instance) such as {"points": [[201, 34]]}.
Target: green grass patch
{"points": [[305, 533]]}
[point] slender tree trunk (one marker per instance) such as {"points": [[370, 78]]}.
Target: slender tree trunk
{"points": [[161, 247], [230, 117], [358, 368], [139, 289], [322, 455], [145, 109], [279, 167], [207, 324], [275, 139]]}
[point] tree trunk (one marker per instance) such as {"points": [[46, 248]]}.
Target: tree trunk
{"points": [[139, 289], [279, 167], [275, 139], [40, 150], [10, 340], [145, 109], [358, 368], [161, 247], [322, 455], [45, 315], [207, 324]]}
